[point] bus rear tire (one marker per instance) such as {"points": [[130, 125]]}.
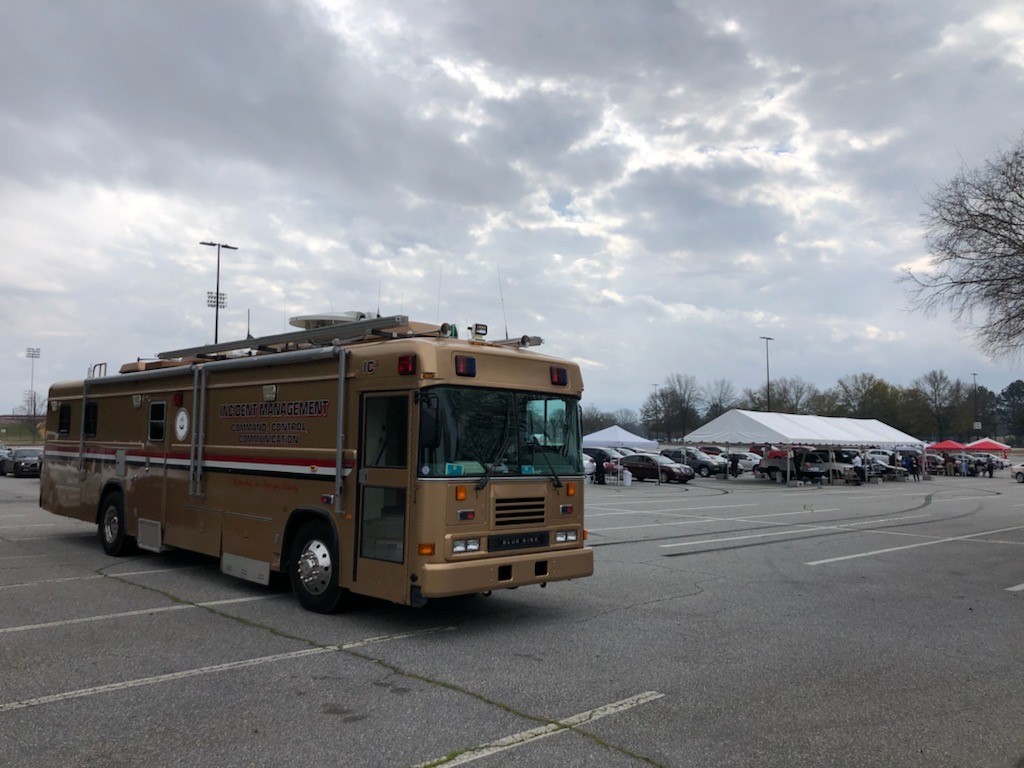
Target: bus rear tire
{"points": [[313, 568], [115, 539]]}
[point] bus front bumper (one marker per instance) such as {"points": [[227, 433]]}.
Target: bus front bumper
{"points": [[449, 579]]}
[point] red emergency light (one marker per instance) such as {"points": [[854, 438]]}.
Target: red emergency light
{"points": [[465, 366], [406, 365]]}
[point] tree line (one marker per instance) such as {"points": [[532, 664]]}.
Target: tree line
{"points": [[934, 407]]}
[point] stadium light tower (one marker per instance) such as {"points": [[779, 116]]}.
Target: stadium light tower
{"points": [[32, 353], [767, 371], [217, 299]]}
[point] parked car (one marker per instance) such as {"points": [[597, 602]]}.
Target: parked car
{"points": [[745, 459], [807, 465], [697, 460], [589, 465], [881, 455], [649, 466], [1017, 472], [22, 462], [998, 461]]}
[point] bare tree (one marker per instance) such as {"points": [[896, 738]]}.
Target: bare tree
{"points": [[719, 396], [595, 419], [942, 398], [974, 231]]}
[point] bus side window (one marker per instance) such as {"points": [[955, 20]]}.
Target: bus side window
{"points": [[64, 420], [91, 419], [157, 415], [386, 431]]}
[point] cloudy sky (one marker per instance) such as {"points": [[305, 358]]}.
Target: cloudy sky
{"points": [[650, 186]]}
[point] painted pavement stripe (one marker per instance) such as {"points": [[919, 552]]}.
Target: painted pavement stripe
{"points": [[560, 726], [209, 670]]}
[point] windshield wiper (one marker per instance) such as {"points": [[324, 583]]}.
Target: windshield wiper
{"points": [[494, 463], [554, 475]]}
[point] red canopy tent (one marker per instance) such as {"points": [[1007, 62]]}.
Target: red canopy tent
{"points": [[988, 445], [947, 445]]}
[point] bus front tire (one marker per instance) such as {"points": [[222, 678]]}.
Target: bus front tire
{"points": [[313, 568], [116, 541]]}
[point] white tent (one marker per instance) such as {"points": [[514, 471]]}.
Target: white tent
{"points": [[616, 437], [750, 427]]}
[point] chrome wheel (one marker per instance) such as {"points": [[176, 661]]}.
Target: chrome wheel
{"points": [[111, 523], [314, 567]]}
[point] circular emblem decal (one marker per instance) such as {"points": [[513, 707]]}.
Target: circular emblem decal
{"points": [[181, 425]]}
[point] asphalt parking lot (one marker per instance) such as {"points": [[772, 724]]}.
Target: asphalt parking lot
{"points": [[729, 623]]}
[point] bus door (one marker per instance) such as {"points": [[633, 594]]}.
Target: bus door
{"points": [[382, 497]]}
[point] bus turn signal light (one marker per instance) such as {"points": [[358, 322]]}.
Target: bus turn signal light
{"points": [[426, 549], [460, 493], [570, 489]]}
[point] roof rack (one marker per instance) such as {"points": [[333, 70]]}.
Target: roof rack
{"points": [[343, 333]]}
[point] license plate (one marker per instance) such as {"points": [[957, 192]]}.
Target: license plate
{"points": [[517, 541]]}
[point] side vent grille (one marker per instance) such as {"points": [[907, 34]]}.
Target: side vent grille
{"points": [[528, 511]]}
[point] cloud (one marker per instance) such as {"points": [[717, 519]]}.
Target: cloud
{"points": [[658, 184]]}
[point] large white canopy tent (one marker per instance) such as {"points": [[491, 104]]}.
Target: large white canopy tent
{"points": [[738, 427], [616, 437]]}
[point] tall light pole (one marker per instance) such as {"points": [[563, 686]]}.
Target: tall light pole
{"points": [[977, 424], [217, 299], [767, 371], [32, 353]]}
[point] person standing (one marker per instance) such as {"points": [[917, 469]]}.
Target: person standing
{"points": [[990, 467], [915, 468], [858, 467], [599, 459]]}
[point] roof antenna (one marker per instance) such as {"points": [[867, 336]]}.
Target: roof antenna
{"points": [[248, 331], [378, 298], [502, 295]]}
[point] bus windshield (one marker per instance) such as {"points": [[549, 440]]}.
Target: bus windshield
{"points": [[475, 432]]}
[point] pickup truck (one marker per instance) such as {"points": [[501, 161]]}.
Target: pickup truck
{"points": [[808, 463], [805, 466]]}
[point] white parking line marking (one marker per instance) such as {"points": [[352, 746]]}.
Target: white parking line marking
{"points": [[1018, 588], [48, 581], [8, 517], [128, 614], [103, 576], [212, 669], [793, 530], [912, 546], [560, 726], [32, 525], [692, 521], [682, 510]]}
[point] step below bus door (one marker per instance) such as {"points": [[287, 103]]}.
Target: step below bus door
{"points": [[382, 498]]}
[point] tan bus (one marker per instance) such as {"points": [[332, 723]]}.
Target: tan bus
{"points": [[375, 456]]}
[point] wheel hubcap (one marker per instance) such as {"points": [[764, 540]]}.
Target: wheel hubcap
{"points": [[314, 567], [111, 524]]}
